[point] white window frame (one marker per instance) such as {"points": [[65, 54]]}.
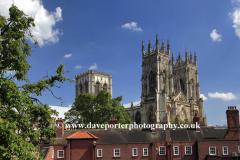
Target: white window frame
{"points": [[174, 150], [223, 150], [164, 150], [186, 150], [98, 154], [238, 149], [114, 151], [58, 153], [214, 149], [144, 152], [52, 153], [133, 152]]}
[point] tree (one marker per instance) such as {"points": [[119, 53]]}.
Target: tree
{"points": [[20, 113], [96, 109]]}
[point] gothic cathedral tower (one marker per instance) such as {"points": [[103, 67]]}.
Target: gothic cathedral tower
{"points": [[170, 90]]}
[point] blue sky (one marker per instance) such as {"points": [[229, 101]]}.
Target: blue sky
{"points": [[107, 35]]}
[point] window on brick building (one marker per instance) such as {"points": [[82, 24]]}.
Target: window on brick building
{"points": [[225, 150], [134, 152], [117, 152], [238, 149], [162, 150], [145, 151], [188, 150], [212, 150], [175, 150], [60, 154], [52, 153], [99, 152]]}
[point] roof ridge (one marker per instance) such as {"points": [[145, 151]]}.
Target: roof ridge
{"points": [[91, 134]]}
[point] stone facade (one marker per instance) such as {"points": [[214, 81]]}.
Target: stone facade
{"points": [[92, 82], [169, 90]]}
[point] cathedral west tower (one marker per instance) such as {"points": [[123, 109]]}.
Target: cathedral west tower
{"points": [[170, 90]]}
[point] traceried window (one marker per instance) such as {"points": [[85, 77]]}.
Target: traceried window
{"points": [[105, 87], [97, 88], [188, 150], [162, 150], [138, 118], [99, 153], [182, 85], [134, 152], [212, 150], [175, 150], [86, 87], [81, 88], [117, 152], [145, 151], [152, 82]]}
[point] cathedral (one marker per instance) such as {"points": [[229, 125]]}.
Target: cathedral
{"points": [[170, 90]]}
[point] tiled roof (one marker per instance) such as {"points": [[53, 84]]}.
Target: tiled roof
{"points": [[82, 135]]}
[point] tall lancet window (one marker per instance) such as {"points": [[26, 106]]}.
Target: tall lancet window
{"points": [[86, 87], [97, 88], [152, 82], [80, 88], [182, 85], [105, 87]]}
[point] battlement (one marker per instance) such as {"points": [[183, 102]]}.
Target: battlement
{"points": [[156, 49], [181, 62]]}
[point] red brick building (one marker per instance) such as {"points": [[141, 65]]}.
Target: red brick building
{"points": [[206, 143]]}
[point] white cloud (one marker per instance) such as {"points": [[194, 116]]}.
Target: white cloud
{"points": [[132, 26], [61, 110], [236, 21], [45, 21], [67, 55], [215, 36], [224, 120], [93, 67], [134, 104], [203, 97], [223, 96], [78, 67]]}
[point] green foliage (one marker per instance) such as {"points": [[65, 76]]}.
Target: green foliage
{"points": [[96, 109], [21, 114]]}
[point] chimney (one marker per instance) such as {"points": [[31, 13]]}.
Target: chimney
{"points": [[196, 122], [60, 127], [112, 122], [233, 123], [153, 122], [167, 134]]}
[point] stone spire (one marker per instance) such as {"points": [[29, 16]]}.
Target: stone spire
{"points": [[143, 48], [157, 43], [163, 46], [168, 47], [195, 57], [149, 47], [191, 57], [186, 56], [172, 59]]}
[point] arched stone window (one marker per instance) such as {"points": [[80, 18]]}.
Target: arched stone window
{"points": [[152, 82], [182, 85], [150, 113], [138, 118], [80, 88], [86, 87], [97, 88], [105, 87]]}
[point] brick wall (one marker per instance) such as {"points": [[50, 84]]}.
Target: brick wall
{"points": [[203, 147], [125, 151], [181, 147]]}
